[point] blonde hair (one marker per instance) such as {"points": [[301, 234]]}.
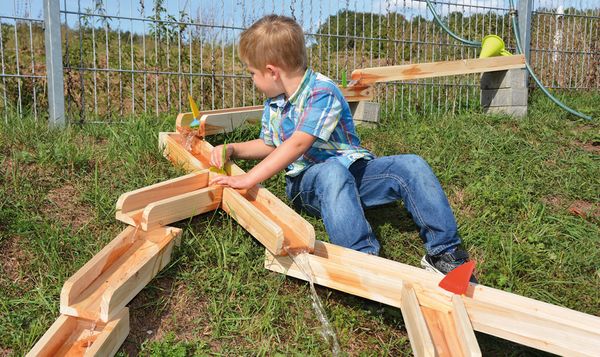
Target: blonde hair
{"points": [[275, 40]]}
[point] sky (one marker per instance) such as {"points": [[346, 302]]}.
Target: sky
{"points": [[241, 13]]}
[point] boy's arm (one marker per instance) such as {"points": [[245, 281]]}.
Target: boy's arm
{"points": [[247, 150], [277, 160], [252, 150]]}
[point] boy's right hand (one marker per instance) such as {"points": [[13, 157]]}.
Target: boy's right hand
{"points": [[216, 156]]}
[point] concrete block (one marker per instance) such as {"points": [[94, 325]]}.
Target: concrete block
{"points": [[512, 78], [504, 97], [515, 111], [364, 111]]}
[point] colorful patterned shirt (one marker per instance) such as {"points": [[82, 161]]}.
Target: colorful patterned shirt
{"points": [[318, 108]]}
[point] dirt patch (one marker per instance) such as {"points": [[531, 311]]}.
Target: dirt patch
{"points": [[14, 262], [62, 205], [553, 201], [5, 352], [584, 209], [592, 147], [183, 315], [458, 200]]}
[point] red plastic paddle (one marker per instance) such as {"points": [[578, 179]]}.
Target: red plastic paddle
{"points": [[457, 281]]}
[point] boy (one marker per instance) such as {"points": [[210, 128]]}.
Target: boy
{"points": [[307, 129]]}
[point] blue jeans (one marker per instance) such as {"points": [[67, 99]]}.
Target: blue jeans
{"points": [[339, 195]]}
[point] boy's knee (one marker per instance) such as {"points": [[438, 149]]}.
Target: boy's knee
{"points": [[417, 161], [333, 176]]}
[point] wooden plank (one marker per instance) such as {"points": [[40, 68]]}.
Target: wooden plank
{"points": [[176, 208], [184, 119], [368, 76], [298, 234], [101, 262], [253, 220], [516, 318], [418, 333], [72, 336], [106, 283], [533, 323], [464, 329], [347, 278], [131, 204], [141, 197], [55, 337]]}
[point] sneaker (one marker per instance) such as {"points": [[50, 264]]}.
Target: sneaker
{"points": [[446, 262]]}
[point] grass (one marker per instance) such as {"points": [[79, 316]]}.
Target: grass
{"points": [[512, 183]]}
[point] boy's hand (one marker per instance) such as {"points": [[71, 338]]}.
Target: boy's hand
{"points": [[216, 156], [240, 182]]}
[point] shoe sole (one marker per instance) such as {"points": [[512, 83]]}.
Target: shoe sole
{"points": [[427, 266]]}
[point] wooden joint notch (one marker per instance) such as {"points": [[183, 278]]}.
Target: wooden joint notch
{"points": [[72, 336], [108, 281]]}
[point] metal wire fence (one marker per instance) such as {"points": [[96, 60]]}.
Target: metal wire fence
{"points": [[126, 58]]}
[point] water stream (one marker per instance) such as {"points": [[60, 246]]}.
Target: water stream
{"points": [[300, 258]]}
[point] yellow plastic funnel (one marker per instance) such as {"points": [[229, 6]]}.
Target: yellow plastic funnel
{"points": [[492, 46]]}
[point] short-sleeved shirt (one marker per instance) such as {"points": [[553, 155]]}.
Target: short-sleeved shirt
{"points": [[318, 108]]}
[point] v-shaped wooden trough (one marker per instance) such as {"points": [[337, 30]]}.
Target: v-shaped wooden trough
{"points": [[72, 336], [106, 283]]}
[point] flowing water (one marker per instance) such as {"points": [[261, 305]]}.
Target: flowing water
{"points": [[189, 137], [300, 258]]}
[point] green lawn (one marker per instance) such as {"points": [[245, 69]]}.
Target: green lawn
{"points": [[526, 193]]}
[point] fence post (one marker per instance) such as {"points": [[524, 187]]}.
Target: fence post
{"points": [[525, 10], [54, 65]]}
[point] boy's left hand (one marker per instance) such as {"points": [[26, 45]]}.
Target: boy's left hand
{"points": [[240, 182]]}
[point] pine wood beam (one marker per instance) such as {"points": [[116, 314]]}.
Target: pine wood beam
{"points": [[130, 205], [369, 76], [107, 282], [418, 333], [253, 220], [176, 208], [464, 329], [72, 336], [443, 333]]}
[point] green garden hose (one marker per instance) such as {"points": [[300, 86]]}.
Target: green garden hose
{"points": [[516, 31], [448, 31]]}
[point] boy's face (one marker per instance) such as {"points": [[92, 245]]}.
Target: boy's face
{"points": [[266, 80]]}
